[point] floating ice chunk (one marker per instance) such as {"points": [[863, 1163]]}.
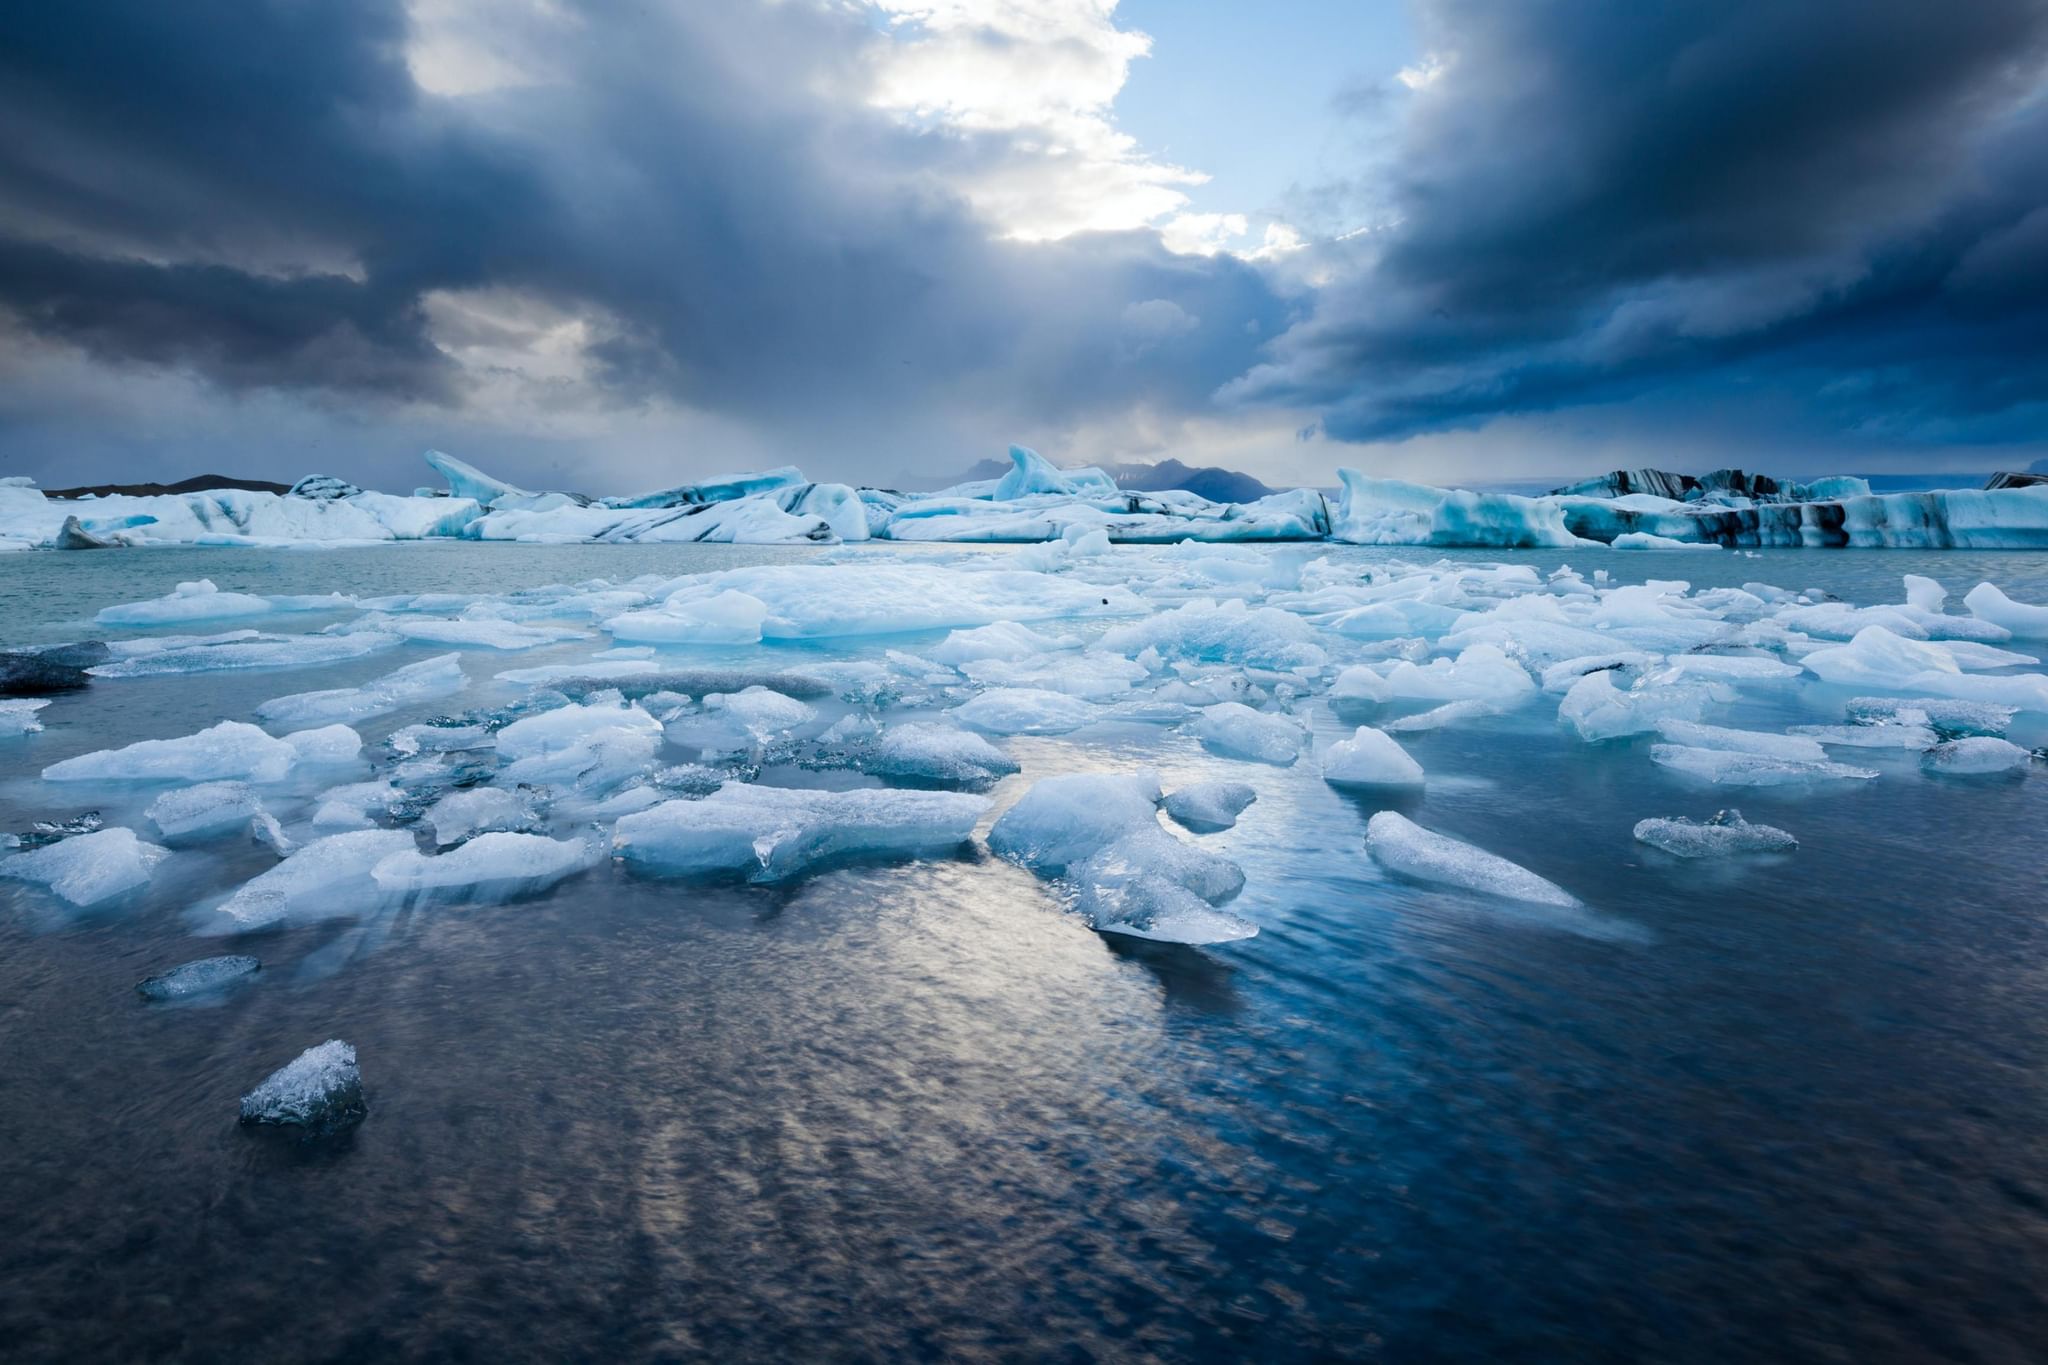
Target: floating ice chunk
{"points": [[329, 876], [1230, 632], [1977, 755], [1725, 834], [1730, 768], [89, 868], [1065, 820], [437, 677], [1402, 846], [938, 753], [1599, 710], [1924, 594], [772, 833], [481, 810], [1024, 711], [1237, 730], [1795, 747], [495, 864], [197, 978], [197, 601], [1644, 540], [245, 650], [19, 717], [1450, 713], [1002, 640], [1210, 806], [1149, 884], [320, 1092], [1370, 759], [1948, 716], [1482, 670], [208, 808], [231, 749], [728, 618], [1988, 603], [1359, 683]]}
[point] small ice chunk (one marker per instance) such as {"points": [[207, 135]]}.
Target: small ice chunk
{"points": [[1988, 603], [436, 677], [89, 868], [1024, 711], [209, 808], [496, 864], [329, 876], [197, 978], [769, 834], [1730, 768], [19, 717], [1976, 755], [1402, 846], [938, 753], [1237, 730], [481, 810], [1795, 747], [1370, 758], [320, 1091], [1726, 833], [1210, 806]]}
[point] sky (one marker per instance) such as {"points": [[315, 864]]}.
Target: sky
{"points": [[611, 246]]}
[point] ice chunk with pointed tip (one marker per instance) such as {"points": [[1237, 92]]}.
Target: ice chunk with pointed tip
{"points": [[1725, 834], [1599, 710], [769, 834], [1237, 730], [1988, 603], [497, 864], [319, 1092], [197, 978], [1976, 756], [437, 677], [329, 876], [209, 808], [482, 810], [1731, 768], [1370, 759], [19, 717], [1025, 711], [938, 753], [1209, 806], [88, 868], [1402, 846]]}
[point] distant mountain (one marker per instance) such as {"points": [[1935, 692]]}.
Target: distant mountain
{"points": [[1210, 481]]}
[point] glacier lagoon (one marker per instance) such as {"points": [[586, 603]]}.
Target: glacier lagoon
{"points": [[921, 1105]]}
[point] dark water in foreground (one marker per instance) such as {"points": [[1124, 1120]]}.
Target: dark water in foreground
{"points": [[1787, 1110]]}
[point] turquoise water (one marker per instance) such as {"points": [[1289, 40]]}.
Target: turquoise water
{"points": [[1782, 1109]]}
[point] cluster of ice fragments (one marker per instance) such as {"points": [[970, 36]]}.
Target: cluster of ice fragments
{"points": [[665, 732], [1075, 513]]}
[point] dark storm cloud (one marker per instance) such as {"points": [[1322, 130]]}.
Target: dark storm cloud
{"points": [[1598, 201], [258, 192]]}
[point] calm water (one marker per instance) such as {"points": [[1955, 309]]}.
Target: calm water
{"points": [[1788, 1109]]}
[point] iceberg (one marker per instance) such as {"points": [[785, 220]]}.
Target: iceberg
{"points": [[319, 1092], [769, 834], [88, 869], [1237, 731], [1207, 807], [203, 977], [1404, 847], [437, 677], [1727, 833], [1370, 758]]}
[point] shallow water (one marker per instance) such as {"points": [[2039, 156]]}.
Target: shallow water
{"points": [[1786, 1108]]}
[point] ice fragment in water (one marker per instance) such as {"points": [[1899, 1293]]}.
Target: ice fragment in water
{"points": [[197, 978], [90, 868], [938, 753], [1370, 759], [1237, 730], [319, 1092], [1977, 755], [1726, 833], [773, 833], [1402, 846], [209, 808], [1730, 768], [436, 677], [1210, 806]]}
